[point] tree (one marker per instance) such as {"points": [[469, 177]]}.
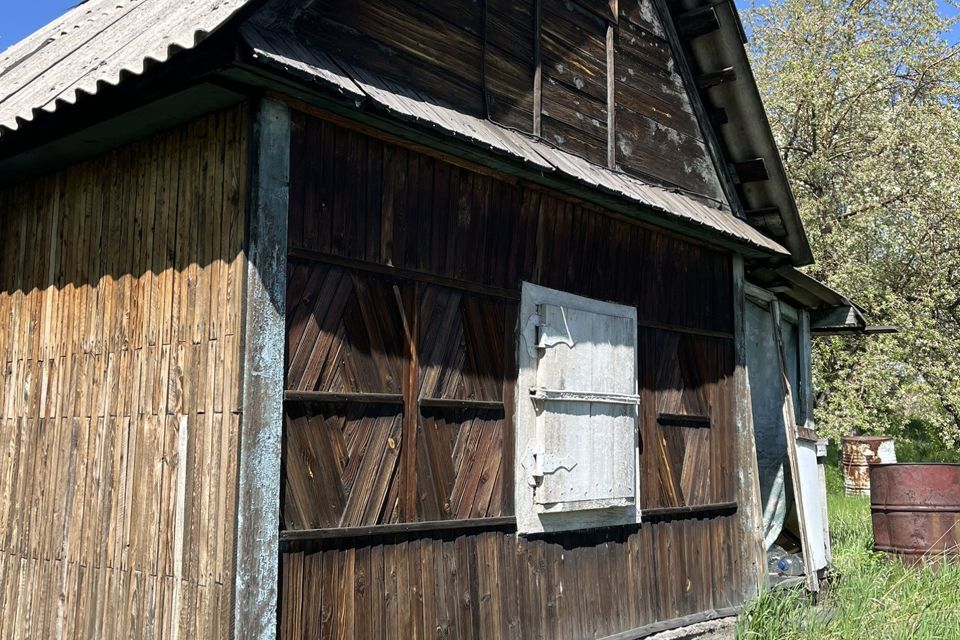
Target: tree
{"points": [[864, 100]]}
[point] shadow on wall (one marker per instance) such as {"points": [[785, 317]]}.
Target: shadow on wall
{"points": [[121, 281], [142, 245]]}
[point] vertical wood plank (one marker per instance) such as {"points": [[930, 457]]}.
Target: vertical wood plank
{"points": [[537, 68], [748, 474], [255, 589]]}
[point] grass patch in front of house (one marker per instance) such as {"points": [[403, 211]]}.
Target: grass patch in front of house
{"points": [[873, 596]]}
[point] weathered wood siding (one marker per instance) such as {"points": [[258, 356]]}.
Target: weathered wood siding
{"points": [[387, 244], [657, 133], [120, 324], [561, 70]]}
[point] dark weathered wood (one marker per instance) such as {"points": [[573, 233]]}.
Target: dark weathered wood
{"points": [[457, 403], [574, 75], [486, 582], [407, 274], [509, 68], [753, 566], [704, 118], [611, 98], [707, 333], [753, 170], [697, 22], [714, 78], [718, 116], [701, 509], [768, 218], [537, 69], [675, 420], [333, 396], [335, 533], [455, 237]]}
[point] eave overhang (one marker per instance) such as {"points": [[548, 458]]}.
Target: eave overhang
{"points": [[831, 312], [714, 47]]}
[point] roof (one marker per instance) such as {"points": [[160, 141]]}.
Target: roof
{"points": [[98, 43], [830, 311], [284, 52], [102, 42], [746, 135]]}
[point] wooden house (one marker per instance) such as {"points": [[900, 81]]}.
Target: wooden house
{"points": [[405, 319]]}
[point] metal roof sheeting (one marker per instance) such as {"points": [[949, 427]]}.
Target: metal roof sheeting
{"points": [[95, 44], [283, 52]]}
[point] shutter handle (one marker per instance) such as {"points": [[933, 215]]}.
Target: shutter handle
{"points": [[538, 464], [551, 336], [530, 334], [529, 462]]}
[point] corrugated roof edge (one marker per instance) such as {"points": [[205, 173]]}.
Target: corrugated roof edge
{"points": [[165, 46], [304, 63]]}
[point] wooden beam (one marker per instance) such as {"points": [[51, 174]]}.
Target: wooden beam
{"points": [[261, 424], [696, 23], [793, 433], [768, 219], [406, 274], [877, 329], [334, 397], [677, 513], [714, 78], [833, 318], [408, 304], [676, 420], [754, 566], [338, 533], [537, 69], [675, 623], [611, 102], [456, 403], [752, 170]]}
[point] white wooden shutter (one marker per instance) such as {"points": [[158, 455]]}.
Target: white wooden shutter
{"points": [[581, 382]]}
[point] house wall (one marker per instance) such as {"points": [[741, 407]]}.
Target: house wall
{"points": [[404, 273], [120, 324]]}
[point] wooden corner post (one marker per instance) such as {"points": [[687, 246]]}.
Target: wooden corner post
{"points": [[261, 422], [748, 475]]}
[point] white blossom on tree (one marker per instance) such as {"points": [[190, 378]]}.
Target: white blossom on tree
{"points": [[864, 100]]}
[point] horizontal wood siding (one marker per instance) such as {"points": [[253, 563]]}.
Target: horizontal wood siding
{"points": [[120, 325], [509, 62], [435, 47], [657, 134], [482, 58], [386, 244], [574, 55]]}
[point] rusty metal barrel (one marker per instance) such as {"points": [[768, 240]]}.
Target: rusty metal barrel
{"points": [[857, 454], [916, 510]]}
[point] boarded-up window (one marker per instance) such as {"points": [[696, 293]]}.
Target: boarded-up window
{"points": [[577, 412]]}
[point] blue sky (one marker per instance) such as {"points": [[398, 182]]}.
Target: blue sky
{"points": [[21, 17]]}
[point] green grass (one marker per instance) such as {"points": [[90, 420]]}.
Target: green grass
{"points": [[873, 596]]}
